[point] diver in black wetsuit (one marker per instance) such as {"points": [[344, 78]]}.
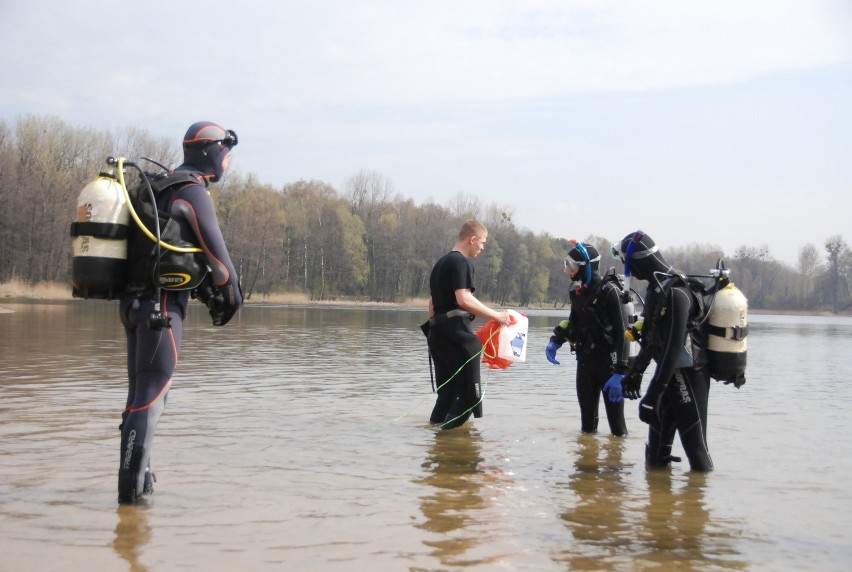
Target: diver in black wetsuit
{"points": [[595, 329], [154, 333], [677, 396], [454, 345]]}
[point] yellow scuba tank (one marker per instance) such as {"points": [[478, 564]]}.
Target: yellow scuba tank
{"points": [[727, 333], [98, 266]]}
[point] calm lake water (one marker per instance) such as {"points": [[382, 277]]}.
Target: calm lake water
{"points": [[296, 438]]}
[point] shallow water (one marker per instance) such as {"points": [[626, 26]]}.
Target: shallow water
{"points": [[296, 438]]}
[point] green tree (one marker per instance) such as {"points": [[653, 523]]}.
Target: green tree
{"points": [[253, 220]]}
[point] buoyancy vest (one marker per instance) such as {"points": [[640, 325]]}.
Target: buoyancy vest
{"points": [[177, 264], [595, 330]]}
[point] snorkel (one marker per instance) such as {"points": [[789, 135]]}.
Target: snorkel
{"points": [[582, 250], [627, 256], [586, 264], [633, 250]]}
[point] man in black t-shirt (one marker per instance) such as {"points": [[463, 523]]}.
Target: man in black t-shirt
{"points": [[454, 345]]}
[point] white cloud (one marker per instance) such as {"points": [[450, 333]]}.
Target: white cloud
{"points": [[571, 105], [355, 53]]}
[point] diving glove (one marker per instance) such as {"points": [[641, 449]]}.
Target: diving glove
{"points": [[632, 385], [227, 302], [221, 301], [613, 389], [550, 352]]}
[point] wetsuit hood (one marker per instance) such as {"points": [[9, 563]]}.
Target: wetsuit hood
{"points": [[207, 148], [586, 259], [640, 256]]}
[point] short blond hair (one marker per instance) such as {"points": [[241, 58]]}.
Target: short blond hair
{"points": [[472, 227]]}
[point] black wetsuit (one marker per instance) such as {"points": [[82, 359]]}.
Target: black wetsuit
{"points": [[454, 345], [596, 328], [152, 354], [677, 397]]}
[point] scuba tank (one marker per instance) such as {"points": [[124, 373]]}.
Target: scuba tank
{"points": [[727, 329], [99, 262], [117, 236], [724, 320]]}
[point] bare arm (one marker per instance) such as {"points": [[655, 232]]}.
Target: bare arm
{"points": [[468, 302]]}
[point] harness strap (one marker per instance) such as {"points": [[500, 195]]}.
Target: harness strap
{"points": [[441, 318]]}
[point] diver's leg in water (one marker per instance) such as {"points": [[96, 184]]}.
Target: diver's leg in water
{"points": [[588, 395], [615, 417], [694, 388], [593, 371], [614, 411], [661, 433], [150, 477], [136, 440], [154, 357]]}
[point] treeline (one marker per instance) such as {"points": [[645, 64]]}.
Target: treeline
{"points": [[364, 241]]}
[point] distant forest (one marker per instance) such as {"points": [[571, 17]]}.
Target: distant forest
{"points": [[362, 242]]}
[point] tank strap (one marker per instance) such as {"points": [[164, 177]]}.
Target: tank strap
{"points": [[736, 333], [99, 230]]}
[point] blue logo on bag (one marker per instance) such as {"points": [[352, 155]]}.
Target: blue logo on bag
{"points": [[517, 344]]}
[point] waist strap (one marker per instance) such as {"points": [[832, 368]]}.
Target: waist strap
{"points": [[440, 318]]}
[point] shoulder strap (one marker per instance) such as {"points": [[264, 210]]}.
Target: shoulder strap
{"points": [[177, 178], [609, 281], [613, 280], [698, 290]]}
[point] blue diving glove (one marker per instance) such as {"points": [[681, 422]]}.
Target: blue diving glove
{"points": [[612, 388], [550, 352]]}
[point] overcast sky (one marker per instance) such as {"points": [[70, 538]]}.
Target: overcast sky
{"points": [[722, 123]]}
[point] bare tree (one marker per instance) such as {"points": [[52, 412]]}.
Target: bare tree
{"points": [[836, 277], [369, 193], [807, 267], [465, 206]]}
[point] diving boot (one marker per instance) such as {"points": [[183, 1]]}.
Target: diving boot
{"points": [[657, 461]]}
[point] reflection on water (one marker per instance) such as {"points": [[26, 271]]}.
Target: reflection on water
{"points": [[451, 509], [132, 533], [676, 531], [298, 438], [598, 516]]}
